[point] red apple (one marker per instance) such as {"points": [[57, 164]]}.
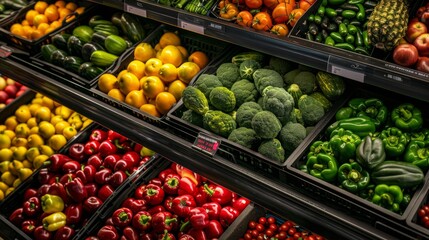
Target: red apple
{"points": [[23, 87], [20, 92], [414, 30], [423, 64], [405, 54], [9, 100], [422, 44], [3, 96], [11, 90], [17, 84]]}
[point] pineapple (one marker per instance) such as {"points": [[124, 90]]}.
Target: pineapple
{"points": [[388, 24]]}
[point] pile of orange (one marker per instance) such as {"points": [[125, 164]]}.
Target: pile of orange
{"points": [[153, 82], [44, 18]]}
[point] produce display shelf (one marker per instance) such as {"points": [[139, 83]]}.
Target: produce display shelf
{"points": [[118, 4], [283, 200]]}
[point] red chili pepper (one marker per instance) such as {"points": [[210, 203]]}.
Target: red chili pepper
{"points": [[105, 192], [74, 213], [122, 217], [186, 237], [164, 173], [136, 205], [76, 190], [91, 189], [71, 167], [106, 148], [218, 194], [91, 204], [117, 178], [30, 192], [214, 229], [129, 233], [212, 209], [187, 186], [122, 165], [153, 194], [91, 147], [102, 175], [45, 175], [227, 215], [17, 217], [182, 205], [98, 135], [132, 157], [168, 203], [138, 193], [171, 184], [164, 221], [108, 232], [198, 234], [56, 162], [156, 181], [76, 151], [110, 160], [64, 233], [199, 218], [42, 234], [156, 209], [166, 236], [32, 206], [240, 204], [28, 227], [142, 221], [95, 160]]}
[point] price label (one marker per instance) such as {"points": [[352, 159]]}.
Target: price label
{"points": [[191, 26], [346, 68], [5, 52], [207, 144], [136, 10]]}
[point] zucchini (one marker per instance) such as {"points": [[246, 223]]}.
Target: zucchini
{"points": [[98, 20], [60, 40], [107, 28], [83, 32], [47, 51], [74, 46], [403, 174], [57, 57], [102, 58], [89, 71], [116, 19], [72, 63], [241, 57], [99, 38], [132, 27], [115, 44], [332, 86], [88, 49]]}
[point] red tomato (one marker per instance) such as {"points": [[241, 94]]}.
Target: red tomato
{"points": [[295, 15], [282, 11], [306, 4], [271, 4], [262, 21], [280, 29], [244, 18], [253, 4]]}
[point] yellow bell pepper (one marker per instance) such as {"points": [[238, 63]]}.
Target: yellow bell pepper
{"points": [[54, 221], [52, 203]]}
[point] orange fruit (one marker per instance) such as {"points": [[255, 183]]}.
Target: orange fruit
{"points": [[144, 52], [171, 54], [164, 102], [16, 25], [40, 6], [107, 82], [150, 109], [187, 71], [137, 68], [176, 88], [63, 12], [42, 27], [18, 31], [52, 13], [152, 86], [168, 72], [200, 58], [29, 16], [60, 4], [49, 30], [79, 10], [169, 38], [55, 24], [121, 72], [128, 82], [152, 66], [24, 23], [157, 47], [40, 18], [36, 34], [116, 94], [71, 6], [135, 98], [27, 31]]}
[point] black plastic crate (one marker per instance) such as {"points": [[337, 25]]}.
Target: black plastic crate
{"points": [[413, 219], [9, 110], [338, 197], [191, 41], [33, 46]]}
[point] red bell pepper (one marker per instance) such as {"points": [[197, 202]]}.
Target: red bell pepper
{"points": [[76, 190], [115, 137], [81, 175], [214, 229], [212, 209], [74, 213], [187, 186], [142, 221], [41, 233], [168, 203], [106, 148], [147, 236], [64, 233], [182, 205], [153, 194], [122, 217], [17, 217], [45, 175], [28, 227], [117, 178], [198, 234], [58, 189], [98, 135], [91, 147], [144, 160], [32, 206], [156, 209], [89, 172], [240, 204], [199, 218], [95, 160], [136, 205], [218, 194], [76, 151], [108, 232], [92, 238], [164, 221], [43, 190], [110, 161], [122, 165], [71, 166], [166, 236], [227, 215], [138, 193], [164, 173], [171, 184], [30, 192], [91, 189], [186, 237], [105, 192], [56, 162], [91, 204], [109, 221], [202, 196], [132, 157], [129, 233], [102, 175], [156, 181]]}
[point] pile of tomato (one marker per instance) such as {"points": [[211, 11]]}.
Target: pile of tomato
{"points": [[275, 16]]}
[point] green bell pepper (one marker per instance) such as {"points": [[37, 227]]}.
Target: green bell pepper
{"points": [[370, 152], [373, 108], [389, 197], [344, 143], [320, 147], [353, 177], [368, 192], [394, 141], [407, 117], [420, 135], [361, 126], [417, 153], [323, 166], [344, 113]]}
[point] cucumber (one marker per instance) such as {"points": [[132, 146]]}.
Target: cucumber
{"points": [[403, 174], [241, 57], [102, 58], [72, 63], [115, 44]]}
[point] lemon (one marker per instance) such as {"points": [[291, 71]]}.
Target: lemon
{"points": [[57, 141], [5, 141]]}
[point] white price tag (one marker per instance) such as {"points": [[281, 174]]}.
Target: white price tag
{"points": [[191, 27], [340, 71], [135, 10], [346, 68]]}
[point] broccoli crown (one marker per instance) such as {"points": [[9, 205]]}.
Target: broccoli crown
{"points": [[228, 74], [248, 67], [266, 124], [244, 91], [311, 109], [246, 112], [206, 82], [223, 99], [290, 76], [306, 82], [192, 117], [219, 122], [280, 65], [267, 77], [291, 135], [244, 136], [272, 149], [278, 101], [195, 100], [296, 116]]}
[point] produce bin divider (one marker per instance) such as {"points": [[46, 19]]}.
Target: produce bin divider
{"points": [[413, 219]]}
